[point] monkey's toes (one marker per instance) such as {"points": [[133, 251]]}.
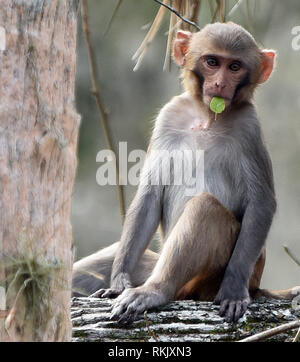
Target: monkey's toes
{"points": [[106, 293], [124, 313]]}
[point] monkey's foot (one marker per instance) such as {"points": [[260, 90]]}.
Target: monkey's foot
{"points": [[106, 293], [135, 301], [120, 283]]}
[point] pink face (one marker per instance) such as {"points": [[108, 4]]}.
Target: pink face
{"points": [[221, 76]]}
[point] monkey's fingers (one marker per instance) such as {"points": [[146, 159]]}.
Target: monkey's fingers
{"points": [[119, 307], [98, 293], [132, 312], [116, 312], [238, 311], [218, 300], [241, 309], [234, 310], [129, 316], [223, 307], [111, 293], [127, 307], [106, 293], [230, 312]]}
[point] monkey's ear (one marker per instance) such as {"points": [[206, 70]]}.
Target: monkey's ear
{"points": [[180, 46], [267, 64]]}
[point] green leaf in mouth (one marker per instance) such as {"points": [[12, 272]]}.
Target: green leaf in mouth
{"points": [[217, 104]]}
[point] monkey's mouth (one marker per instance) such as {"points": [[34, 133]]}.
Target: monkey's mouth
{"points": [[220, 95], [208, 97]]}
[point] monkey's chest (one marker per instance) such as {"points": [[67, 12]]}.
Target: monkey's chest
{"points": [[224, 178], [211, 172]]}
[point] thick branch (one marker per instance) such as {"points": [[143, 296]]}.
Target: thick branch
{"points": [[187, 321]]}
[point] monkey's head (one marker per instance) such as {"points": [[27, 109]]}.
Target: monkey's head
{"points": [[222, 60]]}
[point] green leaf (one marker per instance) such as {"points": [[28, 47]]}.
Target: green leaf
{"points": [[217, 104]]}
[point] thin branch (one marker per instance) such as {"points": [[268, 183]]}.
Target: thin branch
{"points": [[297, 337], [249, 18], [96, 93], [148, 328], [225, 11], [221, 11], [234, 8], [186, 13], [272, 332], [113, 16], [140, 53], [291, 255], [178, 14], [211, 9], [196, 10], [213, 19], [167, 62]]}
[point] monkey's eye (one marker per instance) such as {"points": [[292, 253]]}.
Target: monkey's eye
{"points": [[212, 62], [235, 66]]}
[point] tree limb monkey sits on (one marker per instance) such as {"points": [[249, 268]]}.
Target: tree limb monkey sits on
{"points": [[213, 241]]}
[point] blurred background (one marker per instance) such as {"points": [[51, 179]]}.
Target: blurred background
{"points": [[132, 100]]}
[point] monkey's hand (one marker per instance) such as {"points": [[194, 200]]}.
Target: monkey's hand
{"points": [[233, 300], [118, 284], [135, 301]]}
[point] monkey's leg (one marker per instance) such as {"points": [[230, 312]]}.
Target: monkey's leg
{"points": [[200, 243], [288, 294], [93, 272], [206, 286], [254, 283]]}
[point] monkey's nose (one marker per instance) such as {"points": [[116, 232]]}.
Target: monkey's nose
{"points": [[220, 85]]}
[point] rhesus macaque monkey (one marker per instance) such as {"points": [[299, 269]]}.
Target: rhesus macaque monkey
{"points": [[214, 241]]}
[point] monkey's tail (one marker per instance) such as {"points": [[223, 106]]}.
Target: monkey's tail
{"points": [[288, 294]]}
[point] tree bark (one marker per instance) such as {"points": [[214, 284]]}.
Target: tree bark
{"points": [[182, 321], [38, 141]]}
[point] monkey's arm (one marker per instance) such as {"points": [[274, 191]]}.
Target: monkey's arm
{"points": [[141, 222], [233, 295]]}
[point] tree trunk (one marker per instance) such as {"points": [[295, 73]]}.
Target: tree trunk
{"points": [[38, 140], [182, 321]]}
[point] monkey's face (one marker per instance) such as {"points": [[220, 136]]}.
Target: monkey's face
{"points": [[222, 60], [222, 76]]}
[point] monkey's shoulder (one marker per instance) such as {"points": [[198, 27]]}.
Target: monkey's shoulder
{"points": [[180, 105], [244, 123], [179, 114]]}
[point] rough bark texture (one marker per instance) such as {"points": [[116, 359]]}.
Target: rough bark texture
{"points": [[184, 321], [38, 139]]}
